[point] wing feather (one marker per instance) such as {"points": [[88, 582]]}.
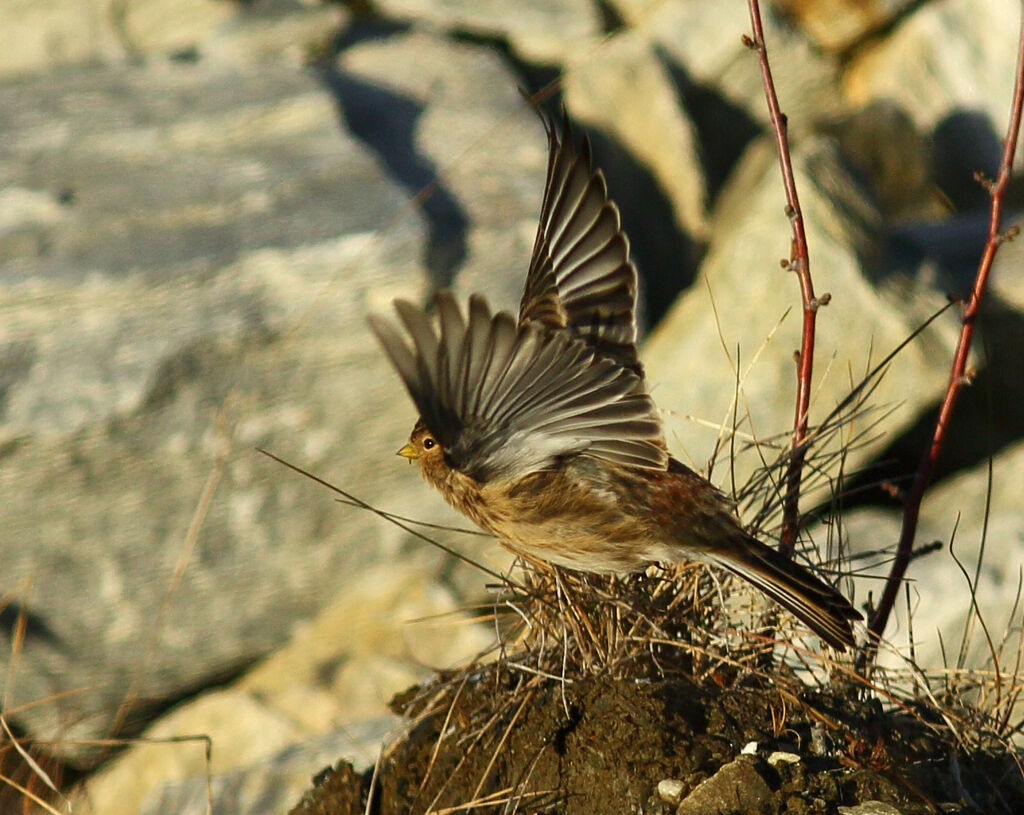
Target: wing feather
{"points": [[580, 276], [507, 399]]}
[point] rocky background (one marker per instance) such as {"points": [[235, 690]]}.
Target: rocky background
{"points": [[200, 201]]}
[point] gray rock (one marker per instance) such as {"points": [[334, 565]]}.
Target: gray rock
{"points": [[882, 143], [941, 58], [186, 277], [481, 153], [628, 93], [540, 28], [952, 513], [159, 26], [332, 681], [670, 790], [782, 757], [1007, 281], [213, 734], [950, 65], [945, 254], [269, 787], [743, 300], [263, 30], [703, 42], [54, 33], [736, 788], [490, 154]]}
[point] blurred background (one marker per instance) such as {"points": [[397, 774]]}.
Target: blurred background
{"points": [[201, 201]]}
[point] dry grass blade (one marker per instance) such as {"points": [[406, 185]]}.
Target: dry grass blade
{"points": [[27, 758], [31, 796], [444, 730], [400, 523], [527, 698], [503, 796]]}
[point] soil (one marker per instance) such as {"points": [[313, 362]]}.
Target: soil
{"points": [[504, 740]]}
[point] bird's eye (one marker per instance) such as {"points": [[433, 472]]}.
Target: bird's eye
{"points": [[428, 443]]}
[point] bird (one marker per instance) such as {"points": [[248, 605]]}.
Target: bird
{"points": [[541, 429]]}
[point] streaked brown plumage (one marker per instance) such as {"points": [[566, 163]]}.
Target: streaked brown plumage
{"points": [[541, 429]]}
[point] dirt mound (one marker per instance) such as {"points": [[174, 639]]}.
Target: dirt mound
{"points": [[502, 740]]}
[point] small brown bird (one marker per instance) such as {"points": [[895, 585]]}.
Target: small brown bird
{"points": [[541, 429]]}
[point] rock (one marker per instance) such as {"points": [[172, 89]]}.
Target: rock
{"points": [[881, 141], [470, 127], [190, 281], [540, 28], [326, 690], [265, 788], [450, 124], [782, 757], [241, 731], [870, 808], [1007, 278], [376, 639], [51, 34], [148, 26], [836, 25], [949, 65], [735, 789], [946, 255], [647, 149], [941, 58], [273, 29], [670, 791], [743, 300], [628, 93], [703, 41], [940, 596], [43, 34]]}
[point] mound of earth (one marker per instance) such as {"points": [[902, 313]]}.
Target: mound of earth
{"points": [[506, 740]]}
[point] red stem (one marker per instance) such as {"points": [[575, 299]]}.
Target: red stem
{"points": [[957, 379], [800, 263]]}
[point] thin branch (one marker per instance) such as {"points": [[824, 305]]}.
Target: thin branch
{"points": [[798, 262], [350, 499], [958, 376]]}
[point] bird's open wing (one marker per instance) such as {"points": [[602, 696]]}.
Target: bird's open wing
{"points": [[506, 399], [580, 275]]}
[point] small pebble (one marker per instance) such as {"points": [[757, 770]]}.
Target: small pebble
{"points": [[749, 749], [870, 808], [819, 741], [670, 790], [780, 757]]}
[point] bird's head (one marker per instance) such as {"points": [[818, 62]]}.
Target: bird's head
{"points": [[424, 449]]}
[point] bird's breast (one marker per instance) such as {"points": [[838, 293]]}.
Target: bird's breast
{"points": [[590, 515], [571, 516]]}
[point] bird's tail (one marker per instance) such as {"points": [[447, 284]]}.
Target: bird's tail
{"points": [[823, 609]]}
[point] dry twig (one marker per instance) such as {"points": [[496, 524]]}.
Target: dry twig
{"points": [[798, 262], [958, 373]]}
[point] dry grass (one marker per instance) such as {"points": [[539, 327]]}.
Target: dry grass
{"points": [[564, 627]]}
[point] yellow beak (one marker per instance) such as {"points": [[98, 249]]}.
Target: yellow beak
{"points": [[409, 452]]}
